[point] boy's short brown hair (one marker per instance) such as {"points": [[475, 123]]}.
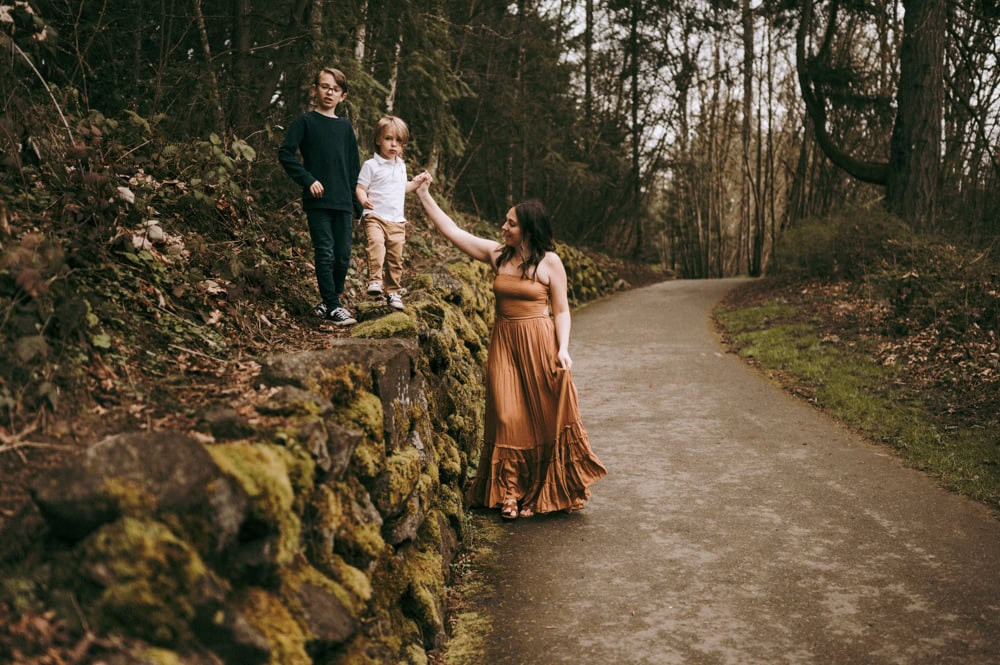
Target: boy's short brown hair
{"points": [[395, 124], [337, 75]]}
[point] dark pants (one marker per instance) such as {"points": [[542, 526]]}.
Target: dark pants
{"points": [[331, 231]]}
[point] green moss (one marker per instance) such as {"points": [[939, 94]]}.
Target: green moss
{"points": [[449, 457], [129, 496], [467, 645], [154, 656], [365, 415], [449, 502], [301, 472], [339, 384], [422, 281], [293, 578], [414, 654], [262, 470], [396, 324], [429, 536], [397, 482], [354, 580], [285, 636], [475, 590], [149, 581], [359, 651], [424, 601], [19, 593], [368, 459], [339, 510]]}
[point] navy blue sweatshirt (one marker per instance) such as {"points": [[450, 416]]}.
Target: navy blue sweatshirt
{"points": [[329, 154]]}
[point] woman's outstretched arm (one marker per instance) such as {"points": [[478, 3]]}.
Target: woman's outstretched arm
{"points": [[478, 248]]}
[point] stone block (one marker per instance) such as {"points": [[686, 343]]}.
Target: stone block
{"points": [[140, 472]]}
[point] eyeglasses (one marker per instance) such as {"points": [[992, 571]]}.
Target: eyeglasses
{"points": [[328, 88]]}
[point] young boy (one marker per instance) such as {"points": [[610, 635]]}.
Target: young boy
{"points": [[381, 190], [327, 173]]}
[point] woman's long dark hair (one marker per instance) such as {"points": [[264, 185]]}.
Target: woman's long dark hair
{"points": [[536, 232]]}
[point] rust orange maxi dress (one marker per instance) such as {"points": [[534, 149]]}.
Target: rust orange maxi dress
{"points": [[535, 448]]}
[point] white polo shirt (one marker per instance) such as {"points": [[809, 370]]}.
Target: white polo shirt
{"points": [[386, 185]]}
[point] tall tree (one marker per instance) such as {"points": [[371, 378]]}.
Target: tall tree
{"points": [[910, 175]]}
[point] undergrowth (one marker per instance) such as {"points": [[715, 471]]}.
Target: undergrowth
{"points": [[891, 331], [125, 256]]}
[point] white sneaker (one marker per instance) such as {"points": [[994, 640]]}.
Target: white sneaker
{"points": [[395, 301], [374, 288]]}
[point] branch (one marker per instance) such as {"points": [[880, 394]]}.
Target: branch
{"points": [[876, 173], [47, 89]]}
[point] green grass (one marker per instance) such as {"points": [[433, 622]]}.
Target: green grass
{"points": [[849, 385]]}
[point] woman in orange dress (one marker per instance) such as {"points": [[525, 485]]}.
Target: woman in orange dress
{"points": [[536, 457]]}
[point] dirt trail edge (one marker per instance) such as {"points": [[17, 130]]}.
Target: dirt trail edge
{"points": [[736, 525]]}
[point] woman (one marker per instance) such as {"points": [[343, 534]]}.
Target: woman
{"points": [[536, 457]]}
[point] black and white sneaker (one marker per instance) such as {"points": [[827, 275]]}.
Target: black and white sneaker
{"points": [[321, 310], [395, 301], [341, 317]]}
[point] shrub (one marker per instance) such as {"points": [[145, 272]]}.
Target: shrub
{"points": [[847, 245]]}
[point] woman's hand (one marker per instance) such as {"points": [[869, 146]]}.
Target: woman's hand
{"points": [[423, 182], [564, 360]]}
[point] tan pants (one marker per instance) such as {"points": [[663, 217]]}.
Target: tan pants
{"points": [[385, 247]]}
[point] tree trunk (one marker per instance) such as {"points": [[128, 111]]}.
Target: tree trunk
{"points": [[362, 32], [912, 172], [588, 63], [633, 47], [244, 70], [316, 32], [745, 223], [390, 96], [915, 151], [213, 81]]}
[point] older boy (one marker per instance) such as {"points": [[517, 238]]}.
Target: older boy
{"points": [[327, 173]]}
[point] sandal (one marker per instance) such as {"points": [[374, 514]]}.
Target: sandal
{"points": [[527, 511], [509, 509]]}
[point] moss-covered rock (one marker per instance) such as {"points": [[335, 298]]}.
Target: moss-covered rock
{"points": [[365, 414], [423, 600], [141, 474], [285, 636], [396, 324], [346, 523], [265, 473], [328, 613], [397, 482], [449, 458], [137, 577]]}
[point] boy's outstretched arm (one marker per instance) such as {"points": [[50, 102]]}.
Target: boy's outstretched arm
{"points": [[478, 248]]}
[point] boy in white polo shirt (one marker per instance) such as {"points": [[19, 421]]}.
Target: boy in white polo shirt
{"points": [[382, 187]]}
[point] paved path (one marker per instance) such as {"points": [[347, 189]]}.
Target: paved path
{"points": [[736, 525]]}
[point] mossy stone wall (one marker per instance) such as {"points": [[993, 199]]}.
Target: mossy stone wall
{"points": [[314, 522]]}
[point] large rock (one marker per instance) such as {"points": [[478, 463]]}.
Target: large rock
{"points": [[386, 367], [328, 619], [137, 473]]}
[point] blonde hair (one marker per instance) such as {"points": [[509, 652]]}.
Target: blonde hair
{"points": [[391, 122]]}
